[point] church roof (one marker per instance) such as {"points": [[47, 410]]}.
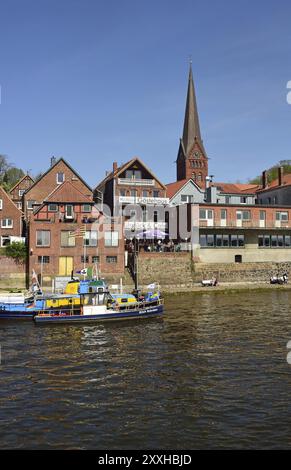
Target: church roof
{"points": [[191, 130]]}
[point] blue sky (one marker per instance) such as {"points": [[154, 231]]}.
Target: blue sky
{"points": [[103, 81]]}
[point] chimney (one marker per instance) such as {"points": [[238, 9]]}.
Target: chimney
{"points": [[115, 166], [280, 175], [53, 161], [264, 179]]}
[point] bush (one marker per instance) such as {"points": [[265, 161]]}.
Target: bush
{"points": [[17, 251]]}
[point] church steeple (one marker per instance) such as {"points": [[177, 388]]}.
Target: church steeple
{"points": [[191, 129], [192, 160]]}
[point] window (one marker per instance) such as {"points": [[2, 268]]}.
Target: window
{"points": [[69, 211], [145, 193], [221, 241], [227, 199], [274, 241], [21, 192], [5, 241], [223, 213], [122, 192], [156, 193], [210, 240], [19, 205], [43, 259], [1, 204], [111, 259], [95, 259], [202, 214], [60, 177], [203, 240], [85, 259], [133, 193], [7, 223], [43, 238], [111, 238], [243, 215], [262, 215], [52, 207], [66, 239], [30, 204], [131, 174], [243, 200], [186, 198], [90, 238], [283, 216], [86, 208]]}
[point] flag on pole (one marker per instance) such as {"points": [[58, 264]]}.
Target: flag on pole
{"points": [[78, 233], [152, 286]]}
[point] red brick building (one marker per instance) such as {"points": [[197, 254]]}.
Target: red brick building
{"points": [[59, 172], [16, 193], [130, 185], [67, 233], [10, 219]]}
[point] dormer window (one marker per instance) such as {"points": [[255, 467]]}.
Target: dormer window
{"points": [[60, 177]]}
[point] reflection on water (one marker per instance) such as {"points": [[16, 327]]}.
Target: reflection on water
{"points": [[211, 374]]}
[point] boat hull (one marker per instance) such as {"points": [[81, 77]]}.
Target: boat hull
{"points": [[147, 312]]}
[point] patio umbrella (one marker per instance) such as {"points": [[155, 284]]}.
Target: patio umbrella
{"points": [[152, 234]]}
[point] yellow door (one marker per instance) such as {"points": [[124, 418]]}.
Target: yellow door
{"points": [[65, 265]]}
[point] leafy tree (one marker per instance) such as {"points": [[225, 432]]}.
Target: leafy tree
{"points": [[11, 176], [17, 251], [272, 173]]}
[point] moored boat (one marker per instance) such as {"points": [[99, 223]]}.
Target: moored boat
{"points": [[97, 304]]}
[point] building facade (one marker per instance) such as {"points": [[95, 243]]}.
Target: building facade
{"points": [[68, 233], [11, 228], [18, 190], [133, 191], [234, 234]]}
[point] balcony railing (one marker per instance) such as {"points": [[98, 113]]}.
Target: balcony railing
{"points": [[136, 181], [245, 224], [129, 225]]}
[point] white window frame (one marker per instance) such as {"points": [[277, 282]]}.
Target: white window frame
{"points": [[1, 204], [32, 203], [111, 238], [90, 236], [5, 225], [69, 216], [41, 244], [63, 177], [21, 192]]}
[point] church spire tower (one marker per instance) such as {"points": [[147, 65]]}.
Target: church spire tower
{"points": [[192, 161]]}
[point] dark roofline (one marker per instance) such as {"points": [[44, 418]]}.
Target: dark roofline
{"points": [[51, 167], [19, 181]]}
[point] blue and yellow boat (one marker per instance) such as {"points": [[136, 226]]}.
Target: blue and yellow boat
{"points": [[98, 304]]}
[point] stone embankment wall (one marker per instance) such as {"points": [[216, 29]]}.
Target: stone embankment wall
{"points": [[239, 272], [165, 268], [177, 269], [12, 274]]}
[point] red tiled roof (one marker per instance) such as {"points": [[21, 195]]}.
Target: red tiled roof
{"points": [[173, 188], [67, 193], [236, 188], [286, 179]]}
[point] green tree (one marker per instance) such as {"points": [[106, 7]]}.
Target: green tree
{"points": [[11, 176], [17, 251]]}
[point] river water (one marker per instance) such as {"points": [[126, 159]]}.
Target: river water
{"points": [[212, 374]]}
